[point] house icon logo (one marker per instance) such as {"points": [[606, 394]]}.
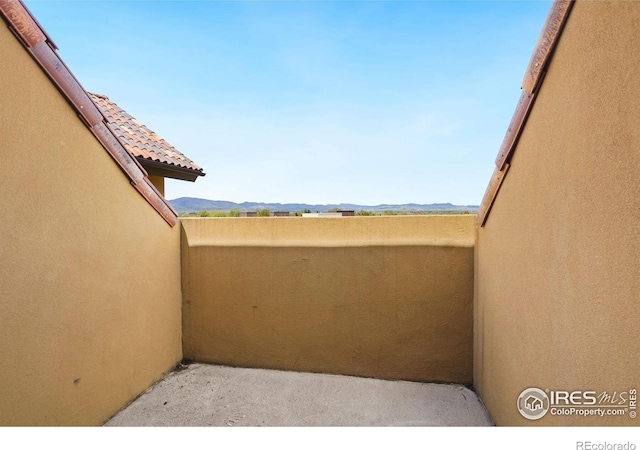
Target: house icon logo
{"points": [[533, 403]]}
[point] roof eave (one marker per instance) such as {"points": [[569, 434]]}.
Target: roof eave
{"points": [[163, 169]]}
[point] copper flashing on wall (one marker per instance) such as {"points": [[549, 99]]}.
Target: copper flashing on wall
{"points": [[515, 127], [546, 44], [21, 20], [148, 191], [134, 171], [128, 164], [67, 83], [533, 79], [490, 193], [42, 49]]}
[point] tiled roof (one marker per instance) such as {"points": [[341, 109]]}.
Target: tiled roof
{"points": [[139, 140]]}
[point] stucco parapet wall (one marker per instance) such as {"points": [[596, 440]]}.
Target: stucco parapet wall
{"points": [[364, 231]]}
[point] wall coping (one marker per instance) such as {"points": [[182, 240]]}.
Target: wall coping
{"points": [[358, 231]]}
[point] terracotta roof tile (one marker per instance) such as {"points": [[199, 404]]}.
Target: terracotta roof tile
{"points": [[139, 140]]}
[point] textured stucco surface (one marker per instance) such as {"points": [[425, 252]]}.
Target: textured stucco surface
{"points": [[558, 262], [90, 292], [385, 297]]}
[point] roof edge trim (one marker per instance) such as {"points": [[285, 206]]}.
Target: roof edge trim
{"points": [[515, 128], [534, 76], [490, 194], [169, 170], [172, 167], [546, 44], [21, 20], [60, 74]]}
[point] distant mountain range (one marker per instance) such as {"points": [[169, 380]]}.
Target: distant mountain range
{"points": [[189, 205]]}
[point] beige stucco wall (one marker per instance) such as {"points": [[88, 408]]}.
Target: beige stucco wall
{"points": [[90, 292], [558, 262], [386, 297], [158, 182]]}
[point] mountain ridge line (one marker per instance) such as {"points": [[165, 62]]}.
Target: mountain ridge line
{"points": [[193, 204]]}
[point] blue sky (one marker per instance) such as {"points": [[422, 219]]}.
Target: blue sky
{"points": [[363, 102]]}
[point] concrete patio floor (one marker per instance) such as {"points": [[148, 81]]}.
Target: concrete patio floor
{"points": [[209, 395]]}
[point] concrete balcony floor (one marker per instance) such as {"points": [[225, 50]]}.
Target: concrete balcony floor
{"points": [[209, 395]]}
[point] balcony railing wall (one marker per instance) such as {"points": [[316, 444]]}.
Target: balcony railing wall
{"points": [[386, 297]]}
